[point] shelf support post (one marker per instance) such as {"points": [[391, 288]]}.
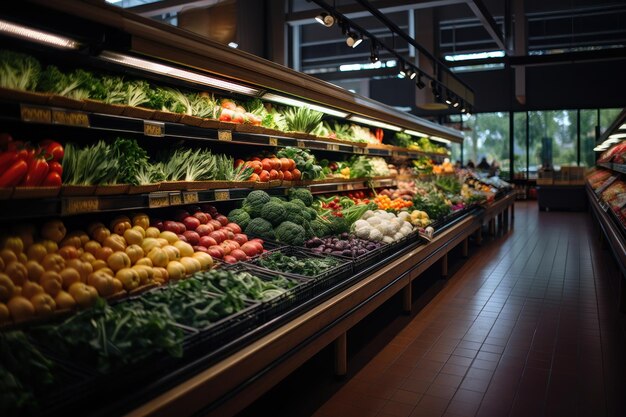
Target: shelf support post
{"points": [[444, 265], [407, 296], [341, 355], [465, 247]]}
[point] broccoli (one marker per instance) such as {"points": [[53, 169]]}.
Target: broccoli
{"points": [[296, 218], [302, 194], [299, 203], [255, 201], [261, 228], [291, 234], [338, 225], [273, 212], [18, 71], [277, 200], [291, 207], [239, 216], [312, 213], [319, 229]]}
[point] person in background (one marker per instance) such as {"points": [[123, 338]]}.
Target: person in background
{"points": [[470, 164], [494, 169], [484, 165], [457, 164]]}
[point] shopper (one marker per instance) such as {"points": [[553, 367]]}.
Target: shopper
{"points": [[494, 170], [470, 164], [484, 165]]}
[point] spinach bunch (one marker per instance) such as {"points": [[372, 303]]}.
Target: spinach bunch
{"points": [[244, 285], [278, 261]]}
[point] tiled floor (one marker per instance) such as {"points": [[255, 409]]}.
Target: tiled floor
{"points": [[527, 326]]}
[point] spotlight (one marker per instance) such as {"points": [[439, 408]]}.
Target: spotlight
{"points": [[403, 71], [411, 74], [353, 40], [420, 84], [455, 102], [374, 54], [325, 19], [435, 89], [449, 99]]}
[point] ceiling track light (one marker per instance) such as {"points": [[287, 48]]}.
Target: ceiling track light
{"points": [[420, 83], [353, 40], [403, 71], [374, 53], [325, 19]]}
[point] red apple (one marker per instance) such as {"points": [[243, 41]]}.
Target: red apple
{"points": [[158, 223], [217, 236], [191, 222], [230, 259], [193, 238], [204, 219], [171, 226], [182, 237], [204, 229], [222, 219], [216, 225], [181, 227], [200, 249], [207, 241], [234, 227], [216, 251]]}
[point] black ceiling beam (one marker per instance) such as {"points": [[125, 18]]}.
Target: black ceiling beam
{"points": [[489, 23]]}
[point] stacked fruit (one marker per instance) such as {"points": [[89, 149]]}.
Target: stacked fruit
{"points": [[384, 202], [210, 232], [30, 166], [53, 269], [271, 168], [231, 112], [359, 197]]}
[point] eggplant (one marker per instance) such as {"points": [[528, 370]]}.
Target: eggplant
{"points": [[347, 252], [361, 252], [344, 235], [337, 252], [370, 246]]}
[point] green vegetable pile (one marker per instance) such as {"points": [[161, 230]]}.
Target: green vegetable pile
{"points": [[18, 71], [302, 119], [432, 203], [244, 285], [25, 375], [289, 222], [189, 302], [112, 336], [277, 261], [449, 185], [305, 162]]}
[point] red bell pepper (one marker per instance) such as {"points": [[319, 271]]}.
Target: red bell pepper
{"points": [[54, 149], [7, 159], [12, 176], [53, 179], [37, 172]]}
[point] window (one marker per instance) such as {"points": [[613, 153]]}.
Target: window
{"points": [[607, 117], [552, 139], [588, 123], [488, 137], [520, 160]]}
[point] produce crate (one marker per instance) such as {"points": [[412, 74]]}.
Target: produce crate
{"points": [[276, 306], [318, 282], [361, 262]]}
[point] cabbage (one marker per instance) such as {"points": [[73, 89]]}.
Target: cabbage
{"points": [[375, 235]]}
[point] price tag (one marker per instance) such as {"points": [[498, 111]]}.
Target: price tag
{"points": [[70, 118], [190, 197], [222, 195], [376, 184], [357, 150], [332, 147], [35, 114], [151, 128], [77, 205], [273, 141], [366, 151], [300, 144], [176, 199], [156, 200], [225, 135]]}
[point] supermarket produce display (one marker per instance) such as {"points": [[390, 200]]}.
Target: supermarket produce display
{"points": [[148, 220]]}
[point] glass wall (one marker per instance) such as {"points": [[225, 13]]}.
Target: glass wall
{"points": [[487, 138], [588, 123], [520, 160], [607, 116]]}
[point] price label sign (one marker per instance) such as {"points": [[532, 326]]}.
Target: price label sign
{"points": [[77, 205], [156, 200], [332, 147], [35, 114], [70, 118], [155, 129], [176, 199], [190, 197], [366, 151], [300, 144], [225, 135], [273, 141], [222, 195], [357, 150]]}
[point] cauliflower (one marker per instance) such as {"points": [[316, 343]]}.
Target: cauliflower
{"points": [[383, 228], [375, 235], [389, 215], [364, 232], [388, 239], [359, 224], [404, 215], [375, 220], [395, 225], [367, 215], [398, 236], [380, 212]]}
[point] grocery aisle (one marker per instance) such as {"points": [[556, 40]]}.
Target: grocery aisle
{"points": [[527, 326]]}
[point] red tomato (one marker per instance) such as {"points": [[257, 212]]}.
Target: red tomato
{"points": [[37, 172], [56, 167], [267, 164], [276, 164], [287, 175], [295, 174], [264, 176], [273, 175], [14, 174], [53, 179], [228, 104]]}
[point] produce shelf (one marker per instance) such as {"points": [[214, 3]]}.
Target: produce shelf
{"points": [[621, 168]]}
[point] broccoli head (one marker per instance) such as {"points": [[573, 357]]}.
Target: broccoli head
{"points": [[312, 213], [273, 212], [277, 200], [338, 225], [239, 216], [319, 229], [302, 194], [255, 201], [261, 228], [291, 234]]}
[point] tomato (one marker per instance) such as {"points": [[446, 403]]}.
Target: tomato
{"points": [[264, 176], [276, 164], [295, 173], [14, 174], [238, 162], [285, 164], [56, 167], [228, 104], [226, 115], [238, 117], [37, 172], [273, 175], [53, 179], [287, 175], [53, 149], [267, 164]]}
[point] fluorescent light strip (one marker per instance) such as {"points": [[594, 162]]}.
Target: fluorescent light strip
{"points": [[297, 103], [617, 136], [610, 141], [416, 133], [143, 64], [442, 140], [23, 32], [375, 123], [623, 127]]}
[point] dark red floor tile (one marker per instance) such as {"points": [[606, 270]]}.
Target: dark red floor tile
{"points": [[396, 409]]}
